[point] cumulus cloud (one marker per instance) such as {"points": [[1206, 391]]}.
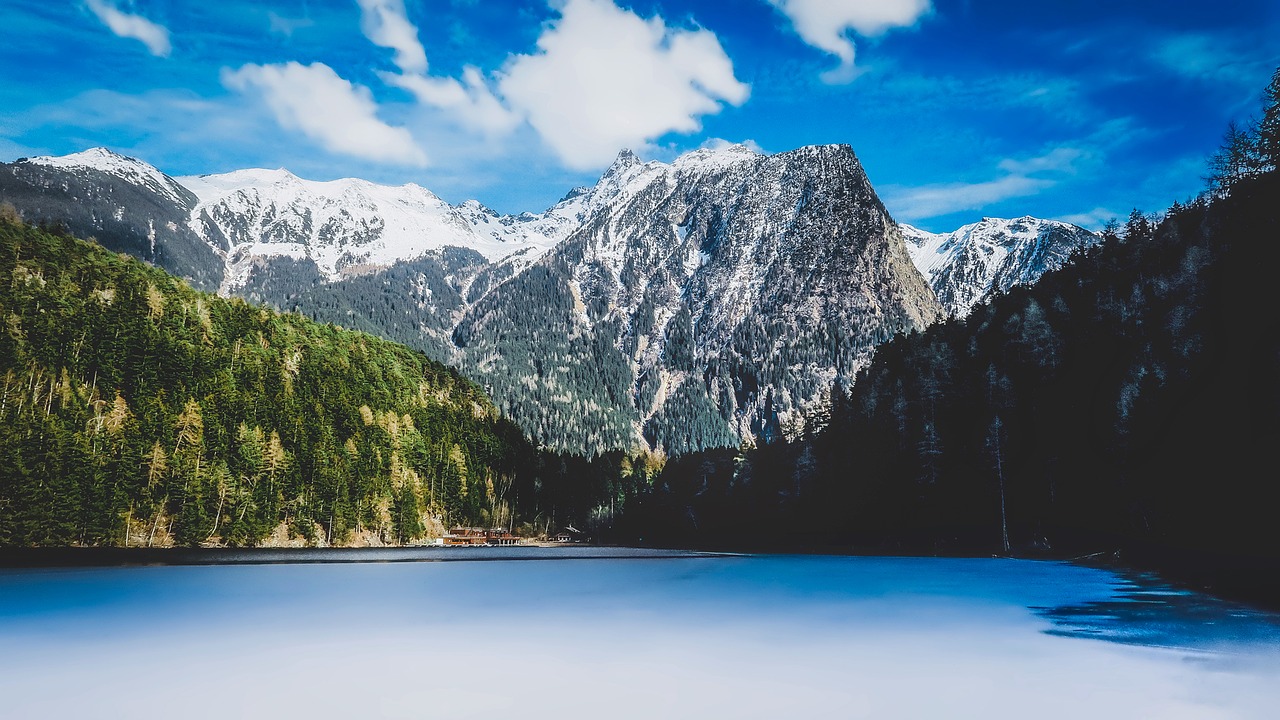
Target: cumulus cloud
{"points": [[132, 26], [827, 24], [385, 23], [604, 78], [469, 101], [314, 100]]}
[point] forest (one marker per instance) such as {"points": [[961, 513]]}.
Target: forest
{"points": [[1128, 401], [136, 411]]}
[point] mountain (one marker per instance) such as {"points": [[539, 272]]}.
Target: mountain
{"points": [[701, 302], [350, 227], [125, 204], [679, 305], [966, 266]]}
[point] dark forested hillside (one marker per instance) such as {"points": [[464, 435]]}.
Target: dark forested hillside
{"points": [[138, 411], [1130, 400]]}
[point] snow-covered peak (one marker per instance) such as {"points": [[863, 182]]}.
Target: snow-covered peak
{"points": [[131, 170], [915, 235], [349, 224], [626, 158], [210, 187], [965, 266], [98, 158], [713, 157], [476, 207]]}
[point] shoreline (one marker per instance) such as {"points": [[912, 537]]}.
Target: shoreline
{"points": [[1248, 580], [90, 557]]}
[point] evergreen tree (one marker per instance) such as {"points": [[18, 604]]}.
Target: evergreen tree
{"points": [[1268, 133]]}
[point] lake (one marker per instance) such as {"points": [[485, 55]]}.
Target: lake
{"points": [[583, 633]]}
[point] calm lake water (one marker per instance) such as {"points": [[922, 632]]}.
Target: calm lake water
{"points": [[628, 637]]}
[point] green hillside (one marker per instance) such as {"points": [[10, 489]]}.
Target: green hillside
{"points": [[136, 410]]}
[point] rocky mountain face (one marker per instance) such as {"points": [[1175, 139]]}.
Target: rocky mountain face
{"points": [[681, 305], [966, 266], [702, 302]]}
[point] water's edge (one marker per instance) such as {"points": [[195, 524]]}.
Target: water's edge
{"points": [[109, 557]]}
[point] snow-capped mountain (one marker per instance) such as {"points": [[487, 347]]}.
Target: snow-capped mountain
{"points": [[125, 204], [966, 266], [719, 296], [239, 223], [112, 164], [685, 305], [350, 226]]}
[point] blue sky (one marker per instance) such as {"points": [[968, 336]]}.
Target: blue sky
{"points": [[958, 109]]}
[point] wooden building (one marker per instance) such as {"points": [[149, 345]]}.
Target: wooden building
{"points": [[463, 536]]}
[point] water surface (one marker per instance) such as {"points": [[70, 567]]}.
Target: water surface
{"points": [[679, 636]]}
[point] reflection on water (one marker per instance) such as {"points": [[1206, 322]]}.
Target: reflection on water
{"points": [[628, 637], [1145, 611]]}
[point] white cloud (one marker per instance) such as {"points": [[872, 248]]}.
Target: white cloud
{"points": [[1020, 178], [469, 101], [385, 23], [287, 26], [1061, 159], [135, 27], [340, 116], [716, 143], [1094, 219], [1218, 59], [928, 201], [603, 78], [827, 24]]}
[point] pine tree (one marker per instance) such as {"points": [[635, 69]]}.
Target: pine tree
{"points": [[1268, 133], [1237, 159]]}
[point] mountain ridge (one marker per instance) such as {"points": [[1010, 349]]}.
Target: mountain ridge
{"points": [[967, 265], [725, 291]]}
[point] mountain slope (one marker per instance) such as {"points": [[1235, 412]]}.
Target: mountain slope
{"points": [[139, 411], [123, 203], [717, 297], [966, 266]]}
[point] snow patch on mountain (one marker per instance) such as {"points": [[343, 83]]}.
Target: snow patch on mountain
{"points": [[966, 266], [110, 163], [732, 287], [350, 225]]}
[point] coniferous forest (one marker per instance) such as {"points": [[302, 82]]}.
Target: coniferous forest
{"points": [[1129, 402], [136, 411]]}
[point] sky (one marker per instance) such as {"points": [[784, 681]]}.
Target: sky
{"points": [[1076, 110]]}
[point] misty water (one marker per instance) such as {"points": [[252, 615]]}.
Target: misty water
{"points": [[647, 636]]}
